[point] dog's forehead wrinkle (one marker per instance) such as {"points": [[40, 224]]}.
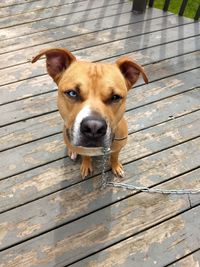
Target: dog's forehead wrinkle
{"points": [[91, 72], [95, 71]]}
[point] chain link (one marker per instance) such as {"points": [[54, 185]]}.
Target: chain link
{"points": [[154, 190], [106, 152]]}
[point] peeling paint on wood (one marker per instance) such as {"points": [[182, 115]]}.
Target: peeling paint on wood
{"points": [[192, 260], [146, 248]]}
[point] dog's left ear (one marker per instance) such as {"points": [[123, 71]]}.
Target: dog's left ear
{"points": [[131, 71], [57, 60]]}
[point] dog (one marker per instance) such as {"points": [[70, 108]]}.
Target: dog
{"points": [[91, 100]]}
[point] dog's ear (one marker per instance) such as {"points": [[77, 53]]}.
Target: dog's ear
{"points": [[57, 60], [131, 71]]}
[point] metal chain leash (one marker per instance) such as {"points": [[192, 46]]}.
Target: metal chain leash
{"points": [[105, 182], [106, 151], [154, 190]]}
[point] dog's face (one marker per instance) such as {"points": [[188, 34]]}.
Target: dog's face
{"points": [[91, 101], [91, 96]]}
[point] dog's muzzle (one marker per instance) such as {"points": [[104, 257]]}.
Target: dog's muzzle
{"points": [[90, 131], [92, 139]]}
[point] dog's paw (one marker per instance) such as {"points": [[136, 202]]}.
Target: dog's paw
{"points": [[86, 167], [72, 155], [117, 169]]}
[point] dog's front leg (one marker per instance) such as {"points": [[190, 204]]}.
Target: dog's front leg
{"points": [[116, 166], [86, 166]]}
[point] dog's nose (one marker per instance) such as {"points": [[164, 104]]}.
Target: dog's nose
{"points": [[93, 127]]}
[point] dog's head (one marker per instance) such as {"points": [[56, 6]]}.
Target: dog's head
{"points": [[91, 96]]}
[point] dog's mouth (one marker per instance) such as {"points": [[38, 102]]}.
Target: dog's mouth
{"points": [[91, 131], [90, 147], [86, 142], [89, 142]]}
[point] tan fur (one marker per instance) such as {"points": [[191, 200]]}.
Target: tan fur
{"points": [[97, 82]]}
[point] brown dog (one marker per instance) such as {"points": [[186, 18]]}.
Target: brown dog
{"points": [[91, 100]]}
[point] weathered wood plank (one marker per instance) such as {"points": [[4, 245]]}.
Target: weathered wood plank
{"points": [[191, 260], [49, 23], [30, 130], [93, 53], [107, 226], [163, 88], [41, 84], [18, 57], [52, 148], [83, 9], [72, 203], [15, 2], [172, 239], [162, 110], [21, 110], [63, 173], [45, 103], [59, 33], [33, 6]]}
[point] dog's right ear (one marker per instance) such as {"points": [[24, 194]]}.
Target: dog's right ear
{"points": [[57, 60]]}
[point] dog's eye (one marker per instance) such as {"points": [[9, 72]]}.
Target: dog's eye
{"points": [[115, 98], [71, 94]]}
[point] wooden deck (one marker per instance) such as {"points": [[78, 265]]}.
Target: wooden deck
{"points": [[49, 216]]}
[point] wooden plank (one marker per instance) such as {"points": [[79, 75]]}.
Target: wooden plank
{"points": [[97, 53], [15, 2], [59, 33], [172, 239], [84, 10], [107, 226], [21, 110], [49, 23], [191, 260], [81, 199], [18, 57], [160, 89], [162, 111], [33, 6], [30, 130], [52, 148], [63, 173], [46, 103], [38, 85]]}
